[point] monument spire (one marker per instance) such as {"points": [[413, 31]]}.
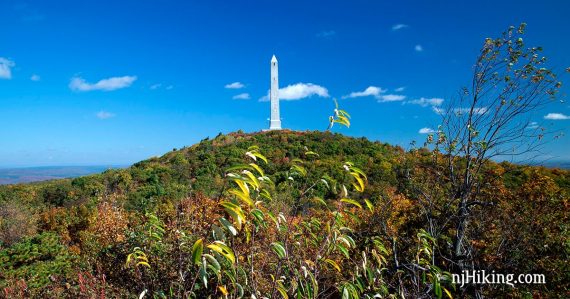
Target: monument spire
{"points": [[275, 121]]}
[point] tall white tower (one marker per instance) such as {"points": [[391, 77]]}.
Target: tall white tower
{"points": [[275, 122]]}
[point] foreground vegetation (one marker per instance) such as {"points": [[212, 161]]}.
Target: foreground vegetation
{"points": [[183, 225]]}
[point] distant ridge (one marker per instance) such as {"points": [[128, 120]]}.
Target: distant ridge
{"points": [[46, 173]]}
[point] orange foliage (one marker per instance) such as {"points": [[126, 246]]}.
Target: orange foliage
{"points": [[109, 223]]}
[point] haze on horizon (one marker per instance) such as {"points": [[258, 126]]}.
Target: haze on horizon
{"points": [[106, 83]]}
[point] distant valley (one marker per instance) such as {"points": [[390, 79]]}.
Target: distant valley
{"points": [[45, 173]]}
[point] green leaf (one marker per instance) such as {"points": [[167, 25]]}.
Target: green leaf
{"points": [[437, 289], [265, 194], [204, 277], [278, 249], [258, 214], [213, 262], [343, 250], [345, 294], [238, 167], [240, 291], [228, 226], [197, 250], [235, 211]]}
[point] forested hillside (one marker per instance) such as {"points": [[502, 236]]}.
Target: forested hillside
{"points": [[277, 214]]}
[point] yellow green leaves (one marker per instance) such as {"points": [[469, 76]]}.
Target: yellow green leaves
{"points": [[282, 290], [352, 202], [333, 264], [197, 250], [311, 153], [221, 248], [298, 168], [247, 180], [138, 257], [155, 227], [252, 179], [253, 153], [257, 168], [235, 212], [359, 185], [369, 205], [357, 174], [242, 196], [340, 117]]}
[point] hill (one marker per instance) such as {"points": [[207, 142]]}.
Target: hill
{"points": [[326, 216]]}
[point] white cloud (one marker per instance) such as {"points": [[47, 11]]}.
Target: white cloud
{"points": [[369, 91], [437, 110], [424, 102], [235, 85], [35, 77], [6, 66], [376, 92], [419, 48], [104, 115], [533, 125], [79, 84], [241, 96], [400, 89], [169, 87], [399, 26], [426, 131], [299, 91], [556, 116], [326, 34], [391, 98], [155, 86]]}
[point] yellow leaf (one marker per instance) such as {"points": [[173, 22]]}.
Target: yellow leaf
{"points": [[221, 248], [333, 263], [223, 290], [351, 201], [244, 197], [256, 167], [144, 264], [242, 185]]}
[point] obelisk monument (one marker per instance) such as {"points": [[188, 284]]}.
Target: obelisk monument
{"points": [[275, 121]]}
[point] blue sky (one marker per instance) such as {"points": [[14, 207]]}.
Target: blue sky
{"points": [[115, 82]]}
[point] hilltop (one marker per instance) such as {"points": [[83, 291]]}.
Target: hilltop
{"points": [[72, 237]]}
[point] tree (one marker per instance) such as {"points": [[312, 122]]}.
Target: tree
{"points": [[489, 119]]}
